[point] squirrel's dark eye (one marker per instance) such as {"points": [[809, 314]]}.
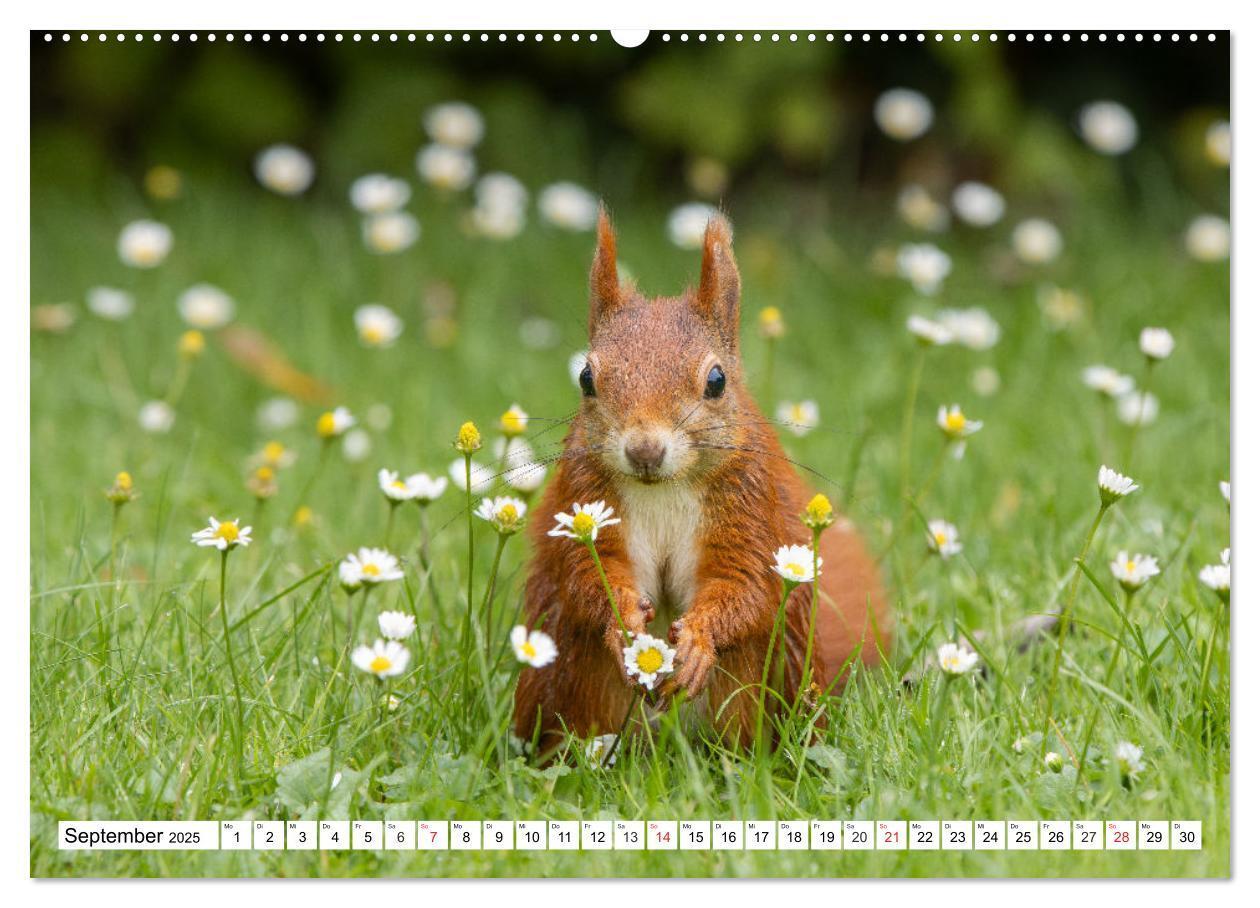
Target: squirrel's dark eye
{"points": [[586, 381], [715, 384]]}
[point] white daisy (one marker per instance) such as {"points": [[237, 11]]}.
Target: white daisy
{"points": [[1106, 380], [1216, 578], [903, 114], [357, 446], [1132, 571], [156, 417], [1108, 127], [1113, 486], [568, 206], [378, 193], [377, 325], [799, 418], [649, 659], [1218, 143], [795, 564], [942, 538], [284, 169], [277, 413], [372, 566], [986, 381], [974, 327], [687, 224], [1129, 758], [520, 470], [110, 303], [514, 421], [533, 648], [144, 244], [390, 232], [396, 625], [482, 477], [585, 522], [1207, 238], [334, 423], [929, 331], [394, 487], [497, 222], [506, 515], [445, 167], [1036, 241], [384, 658], [425, 488], [501, 190], [955, 424], [456, 124], [1224, 487], [955, 659], [597, 747], [922, 212], [978, 204], [222, 536], [925, 266], [206, 307], [1156, 343], [1137, 408], [1054, 761]]}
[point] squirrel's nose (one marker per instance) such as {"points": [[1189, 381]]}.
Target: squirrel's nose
{"points": [[646, 454]]}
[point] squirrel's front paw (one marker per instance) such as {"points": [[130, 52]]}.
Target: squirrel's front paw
{"points": [[694, 659]]}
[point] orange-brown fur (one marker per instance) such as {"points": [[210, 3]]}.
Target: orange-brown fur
{"points": [[649, 360]]}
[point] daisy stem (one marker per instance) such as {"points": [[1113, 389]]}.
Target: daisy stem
{"points": [[310, 480], [769, 370], [765, 667], [176, 390], [352, 616], [612, 600], [1111, 667], [1065, 618], [907, 419], [612, 748], [389, 522], [486, 601], [807, 669], [236, 679], [467, 631]]}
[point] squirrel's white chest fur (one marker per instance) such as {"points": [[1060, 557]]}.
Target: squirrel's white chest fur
{"points": [[662, 530]]}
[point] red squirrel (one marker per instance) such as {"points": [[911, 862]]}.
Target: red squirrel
{"points": [[668, 434]]}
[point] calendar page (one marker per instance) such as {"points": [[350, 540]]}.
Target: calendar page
{"points": [[578, 453]]}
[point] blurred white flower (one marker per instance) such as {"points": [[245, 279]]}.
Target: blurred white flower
{"points": [[206, 307], [144, 244], [1218, 143], [1133, 570], [377, 325], [533, 648], [390, 232], [396, 625], [986, 381], [384, 659], [925, 266], [569, 206], [1113, 485], [1054, 761], [1108, 127], [456, 124], [1216, 578], [521, 471], [687, 222], [795, 563], [110, 303], [978, 204], [378, 193], [929, 331], [1061, 308], [1129, 758], [974, 328], [942, 538], [922, 212], [800, 417], [445, 167], [497, 223], [1036, 241], [956, 659], [379, 417], [284, 169], [356, 446], [156, 417], [1156, 343], [1224, 487], [277, 413], [482, 477], [954, 423], [501, 203], [394, 487], [1207, 238], [56, 318], [903, 114], [501, 189], [538, 333], [596, 749], [1137, 408], [1106, 380], [426, 488]]}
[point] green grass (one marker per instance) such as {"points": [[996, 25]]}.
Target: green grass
{"points": [[132, 700]]}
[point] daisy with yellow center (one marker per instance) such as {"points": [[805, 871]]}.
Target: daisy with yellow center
{"points": [[798, 418], [396, 625], [513, 421], [377, 325], [648, 659], [943, 538], [506, 515], [770, 323], [384, 659], [1132, 571], [334, 423], [533, 648], [369, 567], [956, 660], [955, 424], [223, 536], [262, 483], [394, 487], [585, 522], [795, 564]]}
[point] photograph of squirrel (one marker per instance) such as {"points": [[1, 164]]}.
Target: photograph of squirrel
{"points": [[669, 436]]}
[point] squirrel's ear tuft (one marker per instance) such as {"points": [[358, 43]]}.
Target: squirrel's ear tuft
{"points": [[605, 286], [717, 299]]}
